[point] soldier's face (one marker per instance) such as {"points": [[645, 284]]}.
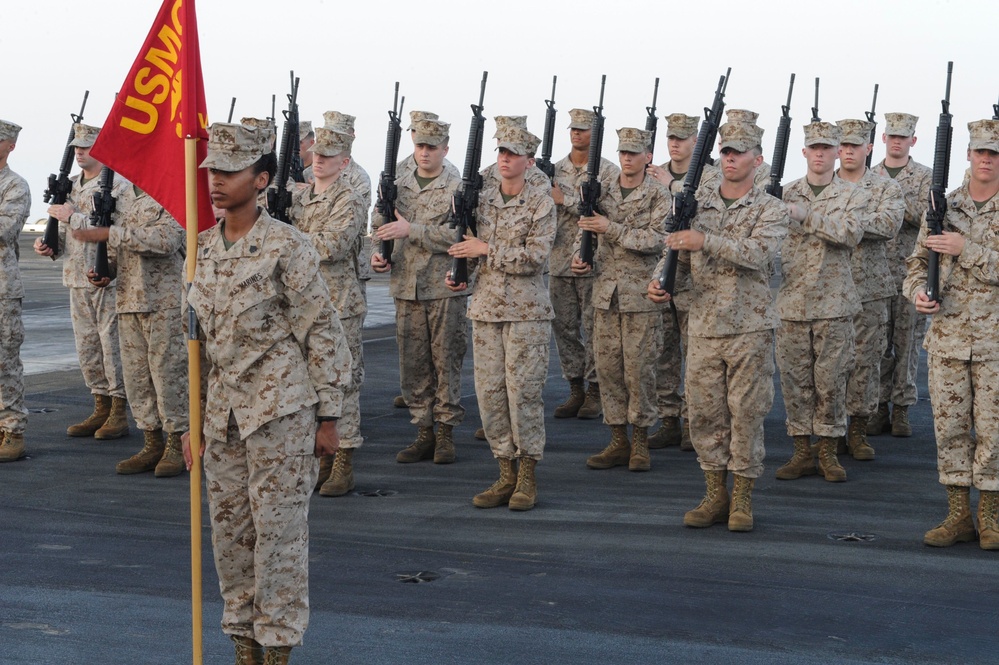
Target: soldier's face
{"points": [[984, 166], [511, 165], [633, 163], [681, 149], [580, 138], [897, 146], [821, 158], [326, 168], [737, 166], [853, 157], [430, 158], [84, 160], [233, 189]]}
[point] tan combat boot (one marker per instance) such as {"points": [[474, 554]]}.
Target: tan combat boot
{"points": [[277, 655], [639, 459], [881, 422], [856, 439], [172, 462], [591, 405], [686, 443], [617, 452], [668, 435], [829, 465], [147, 458], [802, 463], [116, 426], [900, 421], [499, 493], [570, 407], [740, 512], [444, 447], [341, 478], [325, 469], [713, 507], [988, 520], [525, 495], [93, 422], [11, 447], [422, 448], [957, 527], [399, 402], [248, 650], [480, 434]]}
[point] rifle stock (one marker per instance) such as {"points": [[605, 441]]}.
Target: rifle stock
{"points": [[60, 185], [466, 198]]}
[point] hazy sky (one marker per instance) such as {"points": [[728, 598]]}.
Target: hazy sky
{"points": [[349, 55]]}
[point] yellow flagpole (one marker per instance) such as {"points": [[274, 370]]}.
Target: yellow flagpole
{"points": [[194, 388]]}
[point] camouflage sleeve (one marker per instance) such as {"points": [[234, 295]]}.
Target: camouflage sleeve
{"points": [[982, 261], [843, 225], [15, 204], [918, 201], [161, 236], [884, 221], [915, 265], [529, 258], [757, 251], [650, 237], [337, 239]]}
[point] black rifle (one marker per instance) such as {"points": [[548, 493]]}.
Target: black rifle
{"points": [[545, 163], [651, 121], [104, 207], [590, 190], [775, 188], [387, 191], [466, 197], [815, 109], [232, 107], [684, 203], [938, 190], [289, 160], [60, 185], [995, 111], [874, 129]]}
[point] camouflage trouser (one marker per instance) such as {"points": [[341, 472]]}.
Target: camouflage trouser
{"points": [[349, 425], [572, 299], [870, 325], [511, 366], [900, 361], [258, 497], [432, 338], [95, 329], [730, 385], [669, 365], [154, 360], [625, 347], [965, 396], [814, 358], [13, 415]]}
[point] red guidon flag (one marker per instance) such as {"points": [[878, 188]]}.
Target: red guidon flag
{"points": [[161, 102]]}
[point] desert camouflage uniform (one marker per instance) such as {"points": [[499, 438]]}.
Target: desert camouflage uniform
{"points": [[627, 326], [95, 323], [875, 288], [511, 318], [276, 359], [334, 224], [15, 204], [900, 361], [963, 344], [571, 295], [730, 364], [816, 303], [431, 329], [145, 250]]}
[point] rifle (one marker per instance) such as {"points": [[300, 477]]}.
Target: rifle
{"points": [[232, 107], [104, 207], [289, 160], [870, 118], [387, 191], [938, 190], [60, 185], [780, 147], [651, 121], [590, 190], [995, 111], [545, 163], [684, 203], [466, 197], [815, 109]]}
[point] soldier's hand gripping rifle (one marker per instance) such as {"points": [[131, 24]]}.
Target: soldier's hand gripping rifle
{"points": [[684, 203], [775, 188], [60, 185], [545, 163], [102, 215], [466, 197], [651, 120], [387, 191], [590, 190], [289, 160], [874, 129], [938, 190]]}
